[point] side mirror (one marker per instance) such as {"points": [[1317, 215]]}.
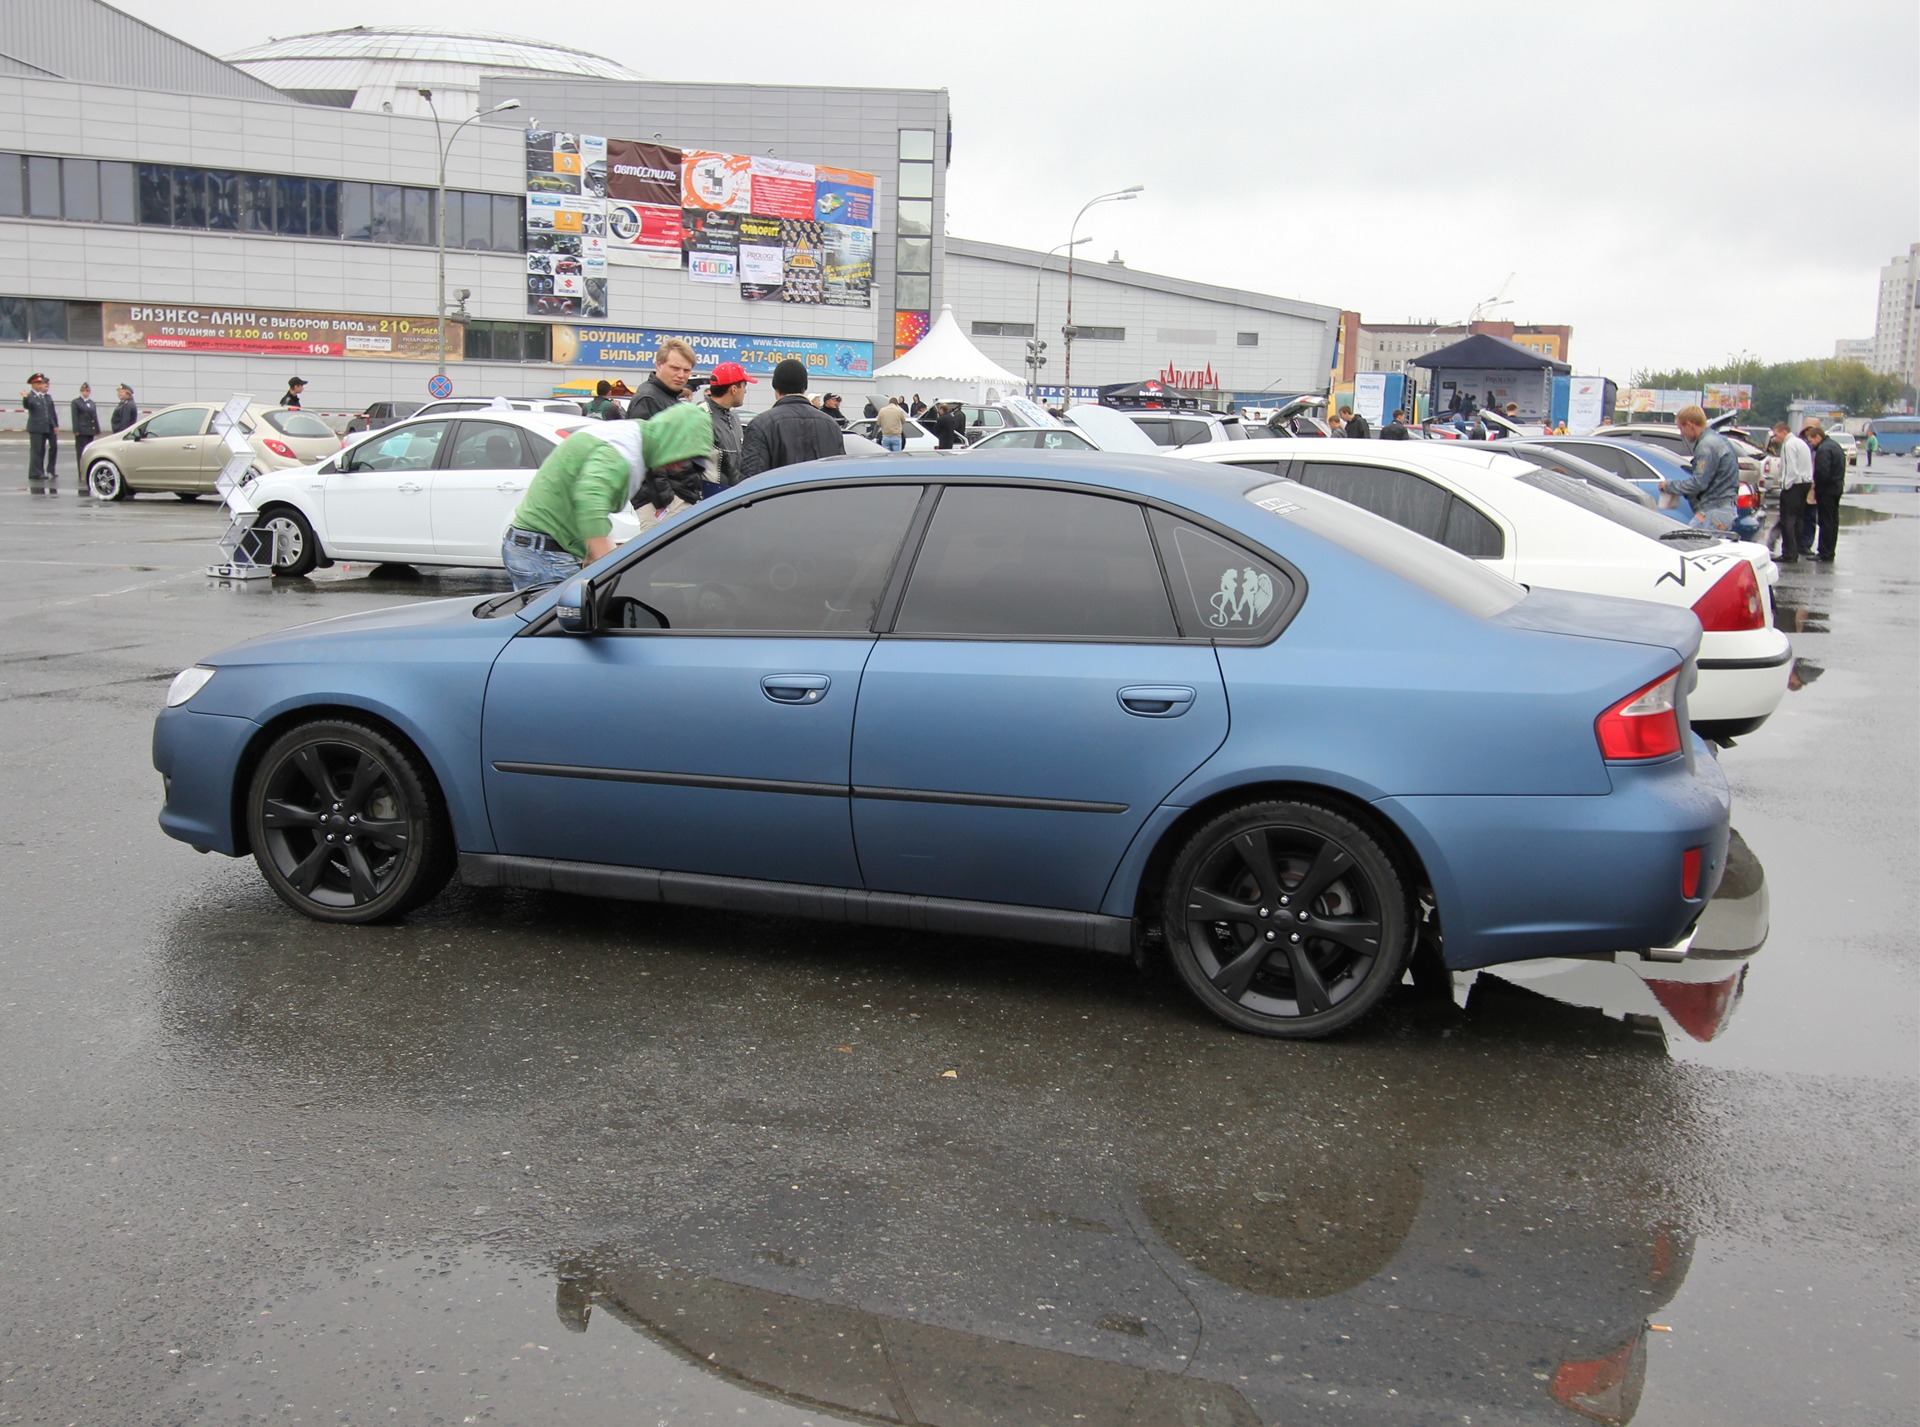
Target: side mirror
{"points": [[575, 613]]}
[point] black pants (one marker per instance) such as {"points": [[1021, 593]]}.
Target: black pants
{"points": [[1793, 511], [43, 454], [1827, 498], [80, 440]]}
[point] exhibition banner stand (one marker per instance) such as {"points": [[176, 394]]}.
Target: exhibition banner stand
{"points": [[246, 552]]}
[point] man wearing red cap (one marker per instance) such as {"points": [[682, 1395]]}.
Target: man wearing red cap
{"points": [[725, 392]]}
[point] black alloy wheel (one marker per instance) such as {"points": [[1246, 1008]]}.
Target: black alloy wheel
{"points": [[1286, 919], [347, 825]]}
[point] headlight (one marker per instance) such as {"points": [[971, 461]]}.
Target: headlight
{"points": [[187, 683]]}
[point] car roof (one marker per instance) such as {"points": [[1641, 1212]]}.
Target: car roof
{"points": [[1126, 474], [1440, 457]]}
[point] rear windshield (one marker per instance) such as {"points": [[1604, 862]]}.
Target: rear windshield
{"points": [[1439, 571], [1636, 518], [298, 424]]}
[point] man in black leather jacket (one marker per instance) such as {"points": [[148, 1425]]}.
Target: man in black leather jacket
{"points": [[663, 388], [792, 430]]}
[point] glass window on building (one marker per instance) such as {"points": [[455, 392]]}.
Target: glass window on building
{"points": [[84, 327], [189, 197], [1246, 339], [156, 195], [43, 187], [916, 144], [913, 293], [13, 186], [478, 345], [916, 218], [80, 190], [356, 212], [416, 210], [1100, 334], [323, 208], [289, 207], [914, 255], [118, 203], [509, 224], [1003, 329], [13, 319], [256, 203], [223, 201], [476, 221], [916, 180], [388, 216], [48, 318]]}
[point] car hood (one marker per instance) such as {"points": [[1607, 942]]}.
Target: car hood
{"points": [[329, 639], [1605, 617]]}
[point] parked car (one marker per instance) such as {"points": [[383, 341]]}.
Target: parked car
{"points": [[1034, 438], [985, 419], [1674, 442], [553, 406], [880, 657], [381, 413], [1542, 530], [917, 436], [1179, 429], [431, 490], [1553, 459], [176, 449], [1847, 442], [1647, 466]]}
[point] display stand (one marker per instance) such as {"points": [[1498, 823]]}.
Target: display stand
{"points": [[246, 551]]}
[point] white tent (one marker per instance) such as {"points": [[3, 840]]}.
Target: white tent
{"points": [[945, 366]]}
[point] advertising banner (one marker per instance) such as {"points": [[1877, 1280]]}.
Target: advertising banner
{"points": [[593, 166], [643, 173], [804, 265], [849, 266], [1728, 396], [783, 189], [553, 163], [1585, 399], [763, 258], [566, 224], [712, 245], [575, 346], [644, 234], [721, 182], [1370, 397], [908, 329], [261, 330], [844, 196], [1657, 399]]}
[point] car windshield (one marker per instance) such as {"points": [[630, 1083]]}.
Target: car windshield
{"points": [[1414, 558], [1637, 518], [298, 425]]}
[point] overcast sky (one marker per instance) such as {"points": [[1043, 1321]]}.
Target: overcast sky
{"points": [[1680, 182]]}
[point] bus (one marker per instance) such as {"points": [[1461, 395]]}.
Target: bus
{"points": [[1899, 435]]}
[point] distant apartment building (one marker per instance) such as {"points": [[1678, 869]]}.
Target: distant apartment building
{"points": [[1390, 346], [1854, 349], [1896, 328]]}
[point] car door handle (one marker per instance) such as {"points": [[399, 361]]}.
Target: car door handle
{"points": [[408, 487], [796, 688], [190, 446], [1157, 700], [509, 486]]}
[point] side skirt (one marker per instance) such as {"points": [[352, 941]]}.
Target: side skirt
{"points": [[1085, 931]]}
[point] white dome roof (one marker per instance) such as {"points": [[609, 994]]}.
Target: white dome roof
{"points": [[381, 67]]}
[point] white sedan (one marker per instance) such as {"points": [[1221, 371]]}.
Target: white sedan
{"points": [[1537, 527], [433, 490]]}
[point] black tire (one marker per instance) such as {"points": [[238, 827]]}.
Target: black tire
{"points": [[295, 548], [1286, 919], [104, 482], [347, 825]]}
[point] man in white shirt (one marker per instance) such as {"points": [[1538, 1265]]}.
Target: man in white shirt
{"points": [[1796, 491]]}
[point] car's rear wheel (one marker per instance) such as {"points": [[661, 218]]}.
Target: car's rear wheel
{"points": [[295, 550], [189, 495], [347, 825], [1286, 919], [104, 482]]}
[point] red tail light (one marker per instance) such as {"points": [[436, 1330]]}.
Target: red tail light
{"points": [[1747, 500], [1604, 1389], [1690, 873], [1645, 724], [1733, 603], [1701, 1008], [279, 448]]}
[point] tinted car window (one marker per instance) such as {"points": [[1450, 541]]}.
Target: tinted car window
{"points": [[1631, 514], [489, 446], [1607, 458], [183, 421], [1037, 564], [1461, 582], [813, 562], [1220, 590], [410, 448], [1159, 431], [1188, 432], [1411, 502]]}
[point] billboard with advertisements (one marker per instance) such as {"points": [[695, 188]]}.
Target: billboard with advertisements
{"points": [[160, 327]]}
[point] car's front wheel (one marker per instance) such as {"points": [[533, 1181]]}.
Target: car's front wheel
{"points": [[346, 824], [295, 550], [104, 482], [1286, 919]]}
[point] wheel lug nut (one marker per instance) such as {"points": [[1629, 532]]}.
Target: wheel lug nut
{"points": [[1284, 901], [1293, 936], [1263, 911], [1301, 915], [1271, 935]]}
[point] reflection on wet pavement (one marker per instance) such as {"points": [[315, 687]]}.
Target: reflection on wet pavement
{"points": [[759, 1174]]}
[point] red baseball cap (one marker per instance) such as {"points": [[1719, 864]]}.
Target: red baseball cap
{"points": [[727, 373]]}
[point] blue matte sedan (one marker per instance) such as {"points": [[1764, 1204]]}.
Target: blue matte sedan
{"points": [[1091, 700]]}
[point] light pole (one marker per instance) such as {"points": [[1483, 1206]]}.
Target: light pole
{"points": [[440, 219], [1033, 347], [1117, 196]]}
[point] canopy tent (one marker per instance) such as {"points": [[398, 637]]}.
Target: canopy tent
{"points": [[1484, 371], [1148, 393], [1484, 352], [944, 365]]}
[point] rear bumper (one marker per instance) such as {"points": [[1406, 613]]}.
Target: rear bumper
{"points": [[1741, 680], [1521, 877]]}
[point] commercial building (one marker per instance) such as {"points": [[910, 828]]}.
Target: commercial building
{"points": [[1896, 325], [195, 227], [1392, 346]]}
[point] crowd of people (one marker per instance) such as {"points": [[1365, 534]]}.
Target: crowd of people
{"points": [[43, 431]]}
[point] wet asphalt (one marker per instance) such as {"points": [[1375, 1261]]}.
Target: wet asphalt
{"points": [[531, 1160]]}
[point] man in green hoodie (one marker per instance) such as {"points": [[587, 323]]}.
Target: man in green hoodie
{"points": [[566, 520]]}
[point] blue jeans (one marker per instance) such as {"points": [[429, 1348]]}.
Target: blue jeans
{"points": [[533, 569], [894, 443]]}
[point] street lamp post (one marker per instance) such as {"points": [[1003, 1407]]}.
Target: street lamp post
{"points": [[440, 218], [1118, 196], [1033, 347]]}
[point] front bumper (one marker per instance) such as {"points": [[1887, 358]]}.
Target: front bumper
{"points": [[198, 754]]}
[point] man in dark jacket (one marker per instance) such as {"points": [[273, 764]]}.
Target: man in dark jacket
{"points": [[1354, 424], [948, 423], [792, 429], [86, 426], [672, 370], [1829, 483], [128, 411], [43, 429], [725, 392], [291, 397], [830, 403], [1396, 429]]}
